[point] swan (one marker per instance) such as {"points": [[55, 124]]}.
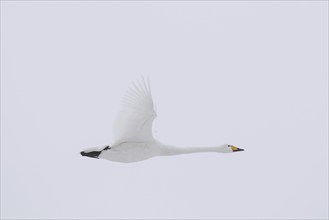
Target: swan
{"points": [[132, 132]]}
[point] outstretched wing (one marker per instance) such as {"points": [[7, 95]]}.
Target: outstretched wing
{"points": [[134, 122]]}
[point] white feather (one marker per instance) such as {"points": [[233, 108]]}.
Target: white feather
{"points": [[134, 122]]}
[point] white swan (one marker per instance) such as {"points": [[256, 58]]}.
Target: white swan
{"points": [[133, 132]]}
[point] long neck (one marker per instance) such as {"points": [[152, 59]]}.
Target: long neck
{"points": [[173, 150]]}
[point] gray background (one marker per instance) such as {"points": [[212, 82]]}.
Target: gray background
{"points": [[252, 74]]}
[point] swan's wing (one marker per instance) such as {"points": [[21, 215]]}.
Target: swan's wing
{"points": [[134, 122]]}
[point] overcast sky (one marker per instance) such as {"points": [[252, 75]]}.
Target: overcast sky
{"points": [[252, 74]]}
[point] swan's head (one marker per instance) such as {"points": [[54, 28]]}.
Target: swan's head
{"points": [[230, 149], [94, 152]]}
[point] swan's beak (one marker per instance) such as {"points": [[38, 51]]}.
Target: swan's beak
{"points": [[92, 154], [236, 149]]}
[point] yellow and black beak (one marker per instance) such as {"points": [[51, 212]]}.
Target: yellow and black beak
{"points": [[235, 149]]}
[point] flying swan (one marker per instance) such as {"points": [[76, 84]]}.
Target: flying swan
{"points": [[132, 132]]}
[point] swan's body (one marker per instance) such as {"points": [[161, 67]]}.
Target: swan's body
{"points": [[128, 152], [133, 132]]}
